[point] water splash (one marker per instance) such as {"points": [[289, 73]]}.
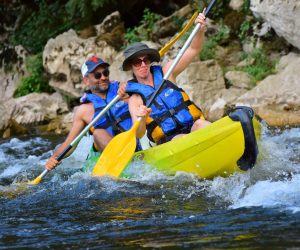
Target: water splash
{"points": [[273, 182], [76, 208], [11, 170], [268, 193], [277, 172]]}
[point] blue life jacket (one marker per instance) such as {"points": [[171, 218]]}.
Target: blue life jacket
{"points": [[172, 109], [117, 119]]}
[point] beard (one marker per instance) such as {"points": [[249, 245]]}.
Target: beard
{"points": [[98, 89]]}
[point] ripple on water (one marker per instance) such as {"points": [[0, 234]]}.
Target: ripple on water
{"points": [[151, 210]]}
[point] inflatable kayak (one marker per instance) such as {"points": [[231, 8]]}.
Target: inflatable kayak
{"points": [[220, 149]]}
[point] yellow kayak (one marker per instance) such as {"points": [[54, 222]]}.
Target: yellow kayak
{"points": [[220, 149]]}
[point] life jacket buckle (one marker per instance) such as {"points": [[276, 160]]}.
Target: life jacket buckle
{"points": [[172, 111], [118, 120]]}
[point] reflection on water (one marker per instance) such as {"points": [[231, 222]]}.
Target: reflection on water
{"points": [[72, 209]]}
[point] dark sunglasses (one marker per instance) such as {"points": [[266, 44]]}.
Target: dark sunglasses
{"points": [[138, 62], [98, 75]]}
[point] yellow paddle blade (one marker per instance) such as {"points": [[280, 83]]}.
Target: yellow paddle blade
{"points": [[163, 50], [117, 153], [36, 181]]}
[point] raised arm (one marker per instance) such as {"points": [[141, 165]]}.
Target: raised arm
{"points": [[192, 51]]}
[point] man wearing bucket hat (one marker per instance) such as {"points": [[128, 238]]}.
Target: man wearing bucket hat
{"points": [[172, 113], [101, 91]]}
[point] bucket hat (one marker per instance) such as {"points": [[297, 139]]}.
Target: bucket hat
{"points": [[91, 64], [137, 49]]}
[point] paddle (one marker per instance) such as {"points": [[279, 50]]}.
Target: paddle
{"points": [[163, 50], [38, 179], [120, 149]]}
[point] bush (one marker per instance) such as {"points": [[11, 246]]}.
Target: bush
{"points": [[144, 30], [36, 81], [261, 67], [85, 11], [208, 50], [47, 19], [246, 7], [217, 12], [245, 31]]}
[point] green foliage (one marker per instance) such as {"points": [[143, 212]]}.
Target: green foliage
{"points": [[261, 67], [84, 8], [78, 8], [41, 25], [179, 22], [144, 30], [246, 6], [49, 19], [218, 11], [208, 50], [132, 35], [244, 30], [36, 81]]}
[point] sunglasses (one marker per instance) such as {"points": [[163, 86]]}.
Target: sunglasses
{"points": [[98, 75], [138, 62]]}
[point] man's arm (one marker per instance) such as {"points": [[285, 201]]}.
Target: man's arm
{"points": [[77, 126], [192, 51], [122, 92]]}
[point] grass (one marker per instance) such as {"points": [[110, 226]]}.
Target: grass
{"points": [[261, 67], [208, 50]]}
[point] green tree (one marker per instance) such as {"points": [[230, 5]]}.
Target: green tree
{"points": [[36, 81], [49, 19], [46, 22]]}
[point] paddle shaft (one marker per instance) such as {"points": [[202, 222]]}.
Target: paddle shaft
{"points": [[78, 138], [87, 128], [120, 149], [180, 54]]}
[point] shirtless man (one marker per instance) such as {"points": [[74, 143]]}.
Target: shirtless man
{"points": [[95, 73]]}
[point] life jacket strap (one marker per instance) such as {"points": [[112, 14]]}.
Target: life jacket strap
{"points": [[115, 122]]}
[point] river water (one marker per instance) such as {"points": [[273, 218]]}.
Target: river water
{"points": [[259, 209]]}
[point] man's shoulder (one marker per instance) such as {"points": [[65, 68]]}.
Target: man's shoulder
{"points": [[84, 107], [114, 82]]}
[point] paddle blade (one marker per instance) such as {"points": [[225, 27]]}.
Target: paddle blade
{"points": [[36, 181], [163, 50], [117, 153]]}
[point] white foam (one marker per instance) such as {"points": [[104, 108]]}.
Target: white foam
{"points": [[82, 149], [11, 170], [284, 194], [2, 157], [273, 182], [143, 172], [230, 189]]}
